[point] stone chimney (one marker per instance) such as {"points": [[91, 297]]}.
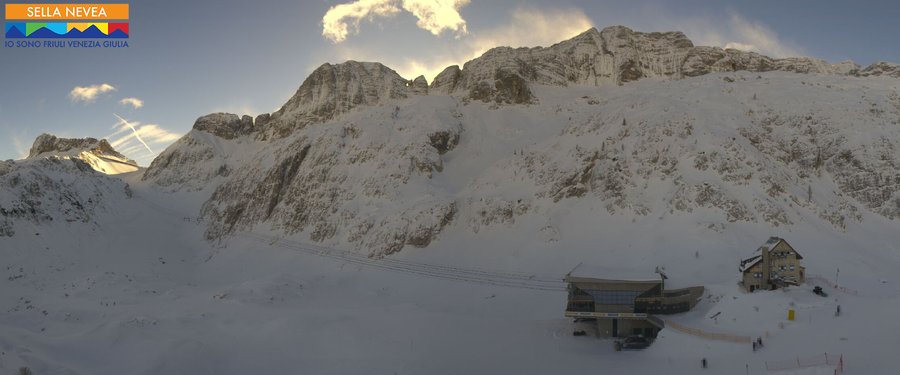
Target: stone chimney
{"points": [[765, 268]]}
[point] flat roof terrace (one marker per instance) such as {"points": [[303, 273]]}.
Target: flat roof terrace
{"points": [[584, 273]]}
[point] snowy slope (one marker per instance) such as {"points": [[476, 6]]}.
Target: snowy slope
{"points": [[160, 299], [774, 148], [39, 192]]}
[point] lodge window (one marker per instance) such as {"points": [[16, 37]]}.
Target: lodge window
{"points": [[615, 297], [792, 267]]}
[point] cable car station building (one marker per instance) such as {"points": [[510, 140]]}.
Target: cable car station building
{"points": [[625, 304]]}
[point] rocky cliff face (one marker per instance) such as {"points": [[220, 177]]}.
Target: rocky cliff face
{"points": [[207, 154], [333, 89], [99, 155], [364, 158], [47, 144], [46, 190], [881, 68], [730, 148], [733, 145], [225, 125], [615, 55], [346, 178]]}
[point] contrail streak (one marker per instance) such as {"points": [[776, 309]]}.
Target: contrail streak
{"points": [[135, 132]]}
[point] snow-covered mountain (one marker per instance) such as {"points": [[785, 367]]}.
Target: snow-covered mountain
{"points": [[639, 123], [40, 192], [62, 180], [634, 150], [100, 155]]}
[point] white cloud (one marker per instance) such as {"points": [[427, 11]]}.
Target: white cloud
{"points": [[433, 15], [754, 36], [525, 27], [733, 31], [134, 132], [134, 138], [22, 149], [438, 15], [531, 27], [134, 102], [89, 93]]}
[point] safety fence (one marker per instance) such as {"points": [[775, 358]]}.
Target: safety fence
{"points": [[797, 363], [708, 335], [820, 279]]}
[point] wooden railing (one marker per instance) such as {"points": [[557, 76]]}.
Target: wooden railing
{"points": [[708, 335], [797, 363]]}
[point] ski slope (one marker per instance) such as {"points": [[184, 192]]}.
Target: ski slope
{"points": [[148, 295]]}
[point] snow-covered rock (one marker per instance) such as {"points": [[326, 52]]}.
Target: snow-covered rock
{"points": [[44, 190], [361, 157], [225, 125], [99, 154], [346, 177], [333, 89], [205, 155], [881, 68], [615, 55]]}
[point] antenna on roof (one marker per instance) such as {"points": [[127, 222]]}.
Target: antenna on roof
{"points": [[662, 272]]}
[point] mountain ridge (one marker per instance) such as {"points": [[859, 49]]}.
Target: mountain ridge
{"points": [[99, 154], [363, 158], [504, 75]]}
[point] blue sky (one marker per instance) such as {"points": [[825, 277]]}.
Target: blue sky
{"points": [[190, 58]]}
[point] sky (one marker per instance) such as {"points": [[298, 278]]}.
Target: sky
{"points": [[186, 59]]}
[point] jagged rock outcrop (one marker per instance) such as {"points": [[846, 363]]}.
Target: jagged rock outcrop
{"points": [[776, 159], [615, 55], [333, 180], [42, 191], [98, 154], [881, 68], [504, 75], [50, 144], [446, 81], [419, 86], [704, 60], [361, 157], [333, 89], [206, 154], [225, 125], [847, 68]]}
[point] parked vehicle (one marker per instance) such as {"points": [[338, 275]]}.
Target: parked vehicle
{"points": [[633, 343]]}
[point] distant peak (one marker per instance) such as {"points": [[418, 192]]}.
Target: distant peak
{"points": [[98, 154], [48, 143], [225, 125]]}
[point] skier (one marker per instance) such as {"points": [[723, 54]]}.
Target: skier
{"points": [[703, 363]]}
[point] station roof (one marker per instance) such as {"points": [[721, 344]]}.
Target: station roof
{"points": [[587, 273]]}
